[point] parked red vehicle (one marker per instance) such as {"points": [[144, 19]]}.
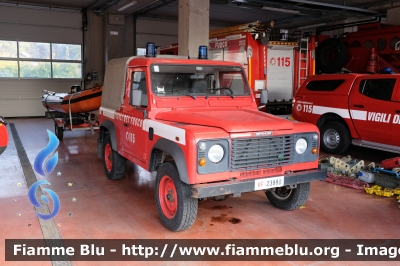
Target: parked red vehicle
{"points": [[3, 135], [197, 124], [358, 109]]}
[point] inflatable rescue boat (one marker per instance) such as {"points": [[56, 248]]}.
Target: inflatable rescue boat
{"points": [[3, 135], [78, 101]]}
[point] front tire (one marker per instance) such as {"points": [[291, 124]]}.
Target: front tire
{"points": [[114, 163], [176, 208], [335, 138], [289, 199]]}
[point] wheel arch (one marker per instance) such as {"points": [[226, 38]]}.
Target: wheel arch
{"points": [[158, 151], [332, 117], [108, 126]]}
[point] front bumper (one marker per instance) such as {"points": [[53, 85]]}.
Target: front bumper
{"points": [[248, 185]]}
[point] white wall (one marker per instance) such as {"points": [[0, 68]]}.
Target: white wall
{"points": [[22, 97], [161, 32]]}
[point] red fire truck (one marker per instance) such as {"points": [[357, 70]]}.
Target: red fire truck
{"points": [[372, 48], [196, 123]]}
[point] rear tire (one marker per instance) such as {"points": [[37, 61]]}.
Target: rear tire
{"points": [[114, 163], [59, 132], [176, 208], [335, 138], [289, 199]]}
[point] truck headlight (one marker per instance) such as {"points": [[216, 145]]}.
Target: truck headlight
{"points": [[301, 146], [216, 153]]}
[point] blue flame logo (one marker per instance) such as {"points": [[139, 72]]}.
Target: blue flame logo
{"points": [[35, 202], [45, 167], [41, 165]]}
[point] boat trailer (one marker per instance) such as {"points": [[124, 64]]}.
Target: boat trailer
{"points": [[72, 121]]}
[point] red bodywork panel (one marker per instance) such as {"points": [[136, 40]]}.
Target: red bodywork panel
{"points": [[3, 137], [230, 120]]}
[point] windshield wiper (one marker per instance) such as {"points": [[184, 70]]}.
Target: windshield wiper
{"points": [[191, 95], [224, 88]]}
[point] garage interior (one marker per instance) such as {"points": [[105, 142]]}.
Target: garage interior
{"points": [[94, 207]]}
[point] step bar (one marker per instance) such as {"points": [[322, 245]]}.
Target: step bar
{"points": [[375, 145]]}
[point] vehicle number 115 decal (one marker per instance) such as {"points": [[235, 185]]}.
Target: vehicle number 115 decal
{"points": [[307, 108]]}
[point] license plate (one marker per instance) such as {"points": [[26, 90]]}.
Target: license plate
{"points": [[270, 182]]}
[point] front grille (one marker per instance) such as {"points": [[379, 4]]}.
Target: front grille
{"points": [[257, 153]]}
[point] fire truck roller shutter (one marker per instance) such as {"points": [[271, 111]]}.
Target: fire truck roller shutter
{"points": [[331, 55]]}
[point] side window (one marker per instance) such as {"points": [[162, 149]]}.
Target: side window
{"points": [[380, 89], [139, 83], [324, 85]]}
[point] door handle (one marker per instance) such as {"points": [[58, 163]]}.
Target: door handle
{"points": [[126, 124], [398, 111], [359, 105]]}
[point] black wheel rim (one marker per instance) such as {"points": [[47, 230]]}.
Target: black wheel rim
{"points": [[282, 193]]}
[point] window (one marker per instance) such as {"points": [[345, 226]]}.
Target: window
{"points": [[40, 60], [8, 49], [202, 80], [324, 85], [139, 83], [380, 89]]}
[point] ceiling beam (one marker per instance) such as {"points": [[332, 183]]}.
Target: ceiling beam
{"points": [[299, 5], [95, 3], [149, 9], [106, 6], [350, 8]]}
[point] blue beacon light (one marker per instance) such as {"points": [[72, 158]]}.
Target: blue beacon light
{"points": [[203, 52], [150, 49]]}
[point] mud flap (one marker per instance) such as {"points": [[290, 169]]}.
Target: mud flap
{"points": [[99, 148]]}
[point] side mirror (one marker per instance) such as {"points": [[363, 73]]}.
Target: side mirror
{"points": [[264, 97], [135, 98]]}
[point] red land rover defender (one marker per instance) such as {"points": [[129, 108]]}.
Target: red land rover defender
{"points": [[196, 123]]}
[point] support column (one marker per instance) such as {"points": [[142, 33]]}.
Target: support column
{"points": [[193, 26], [392, 16]]}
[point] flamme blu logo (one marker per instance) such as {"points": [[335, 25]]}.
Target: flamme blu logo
{"points": [[44, 164]]}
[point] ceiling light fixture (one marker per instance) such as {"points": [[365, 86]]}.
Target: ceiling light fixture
{"points": [[288, 11], [128, 4], [312, 26]]}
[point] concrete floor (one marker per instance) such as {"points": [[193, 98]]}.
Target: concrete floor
{"points": [[125, 209]]}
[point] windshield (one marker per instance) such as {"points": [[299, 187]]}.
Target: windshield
{"points": [[197, 80]]}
